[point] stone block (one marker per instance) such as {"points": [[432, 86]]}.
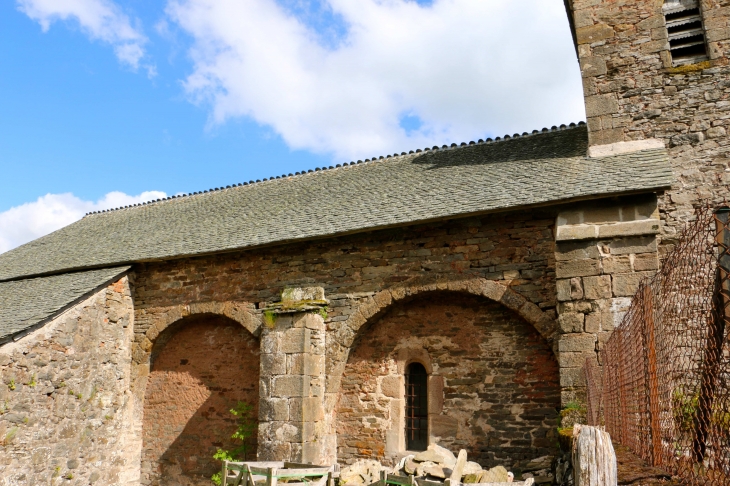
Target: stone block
{"points": [[290, 386], [270, 342], [645, 262], [569, 218], [571, 322], [592, 66], [299, 294], [392, 386], [574, 360], [577, 268], [578, 250], [269, 450], [598, 105], [629, 228], [493, 290], [616, 264], [435, 394], [443, 426], [625, 246], [563, 288], [626, 285], [577, 343], [309, 320], [716, 132], [598, 287], [572, 377], [602, 215], [576, 232], [273, 364], [594, 33], [306, 409], [305, 364], [273, 409], [593, 322], [297, 340]]}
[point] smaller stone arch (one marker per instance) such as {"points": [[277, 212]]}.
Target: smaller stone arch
{"points": [[240, 312], [199, 368]]}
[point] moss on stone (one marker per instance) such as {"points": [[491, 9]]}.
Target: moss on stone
{"points": [[690, 68]]}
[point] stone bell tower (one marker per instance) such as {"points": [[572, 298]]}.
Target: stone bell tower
{"points": [[655, 72]]}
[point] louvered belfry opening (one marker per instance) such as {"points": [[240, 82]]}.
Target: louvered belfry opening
{"points": [[416, 407], [686, 32]]}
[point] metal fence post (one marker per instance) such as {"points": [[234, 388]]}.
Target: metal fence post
{"points": [[653, 395]]}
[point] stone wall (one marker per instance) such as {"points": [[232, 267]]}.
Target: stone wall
{"points": [[201, 368], [493, 382], [67, 412], [632, 92], [508, 258]]}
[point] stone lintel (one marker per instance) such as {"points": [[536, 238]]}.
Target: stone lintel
{"points": [[619, 148], [576, 232]]}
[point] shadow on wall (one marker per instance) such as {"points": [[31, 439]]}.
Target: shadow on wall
{"points": [[494, 385], [201, 367]]}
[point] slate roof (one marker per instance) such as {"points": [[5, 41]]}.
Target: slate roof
{"points": [[538, 169], [26, 304]]}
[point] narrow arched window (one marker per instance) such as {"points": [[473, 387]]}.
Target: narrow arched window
{"points": [[416, 407]]}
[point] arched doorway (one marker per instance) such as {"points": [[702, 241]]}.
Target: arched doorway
{"points": [[201, 367], [493, 382]]}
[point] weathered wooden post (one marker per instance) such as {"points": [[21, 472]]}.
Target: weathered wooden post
{"points": [[594, 460]]}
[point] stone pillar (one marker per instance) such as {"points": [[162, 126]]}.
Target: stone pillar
{"points": [[603, 251], [291, 410]]}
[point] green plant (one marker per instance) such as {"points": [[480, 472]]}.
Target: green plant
{"points": [[269, 318], [684, 408], [68, 475], [56, 471], [11, 385], [10, 436], [32, 383], [246, 428], [323, 313]]}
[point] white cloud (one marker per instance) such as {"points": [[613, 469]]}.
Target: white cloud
{"points": [[100, 19], [465, 68], [48, 213]]}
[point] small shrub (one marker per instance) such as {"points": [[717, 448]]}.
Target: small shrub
{"points": [[10, 436], [269, 319], [11, 385], [247, 427]]}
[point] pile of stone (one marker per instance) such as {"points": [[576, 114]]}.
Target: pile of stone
{"points": [[434, 464]]}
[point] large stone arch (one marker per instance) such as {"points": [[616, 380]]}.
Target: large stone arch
{"points": [[496, 291], [536, 345], [199, 367]]}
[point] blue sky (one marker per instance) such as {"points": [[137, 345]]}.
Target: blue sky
{"points": [[183, 95]]}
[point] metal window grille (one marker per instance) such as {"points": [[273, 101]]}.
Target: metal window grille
{"points": [[685, 31], [416, 407]]}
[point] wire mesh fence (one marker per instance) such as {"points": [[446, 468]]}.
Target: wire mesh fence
{"points": [[662, 383]]}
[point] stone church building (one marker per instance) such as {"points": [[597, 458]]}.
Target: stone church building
{"points": [[449, 294]]}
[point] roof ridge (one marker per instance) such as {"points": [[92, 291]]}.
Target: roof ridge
{"points": [[435, 148]]}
